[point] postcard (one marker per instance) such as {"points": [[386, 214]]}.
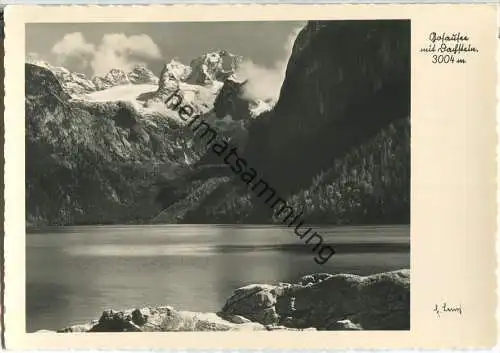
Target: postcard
{"points": [[250, 177]]}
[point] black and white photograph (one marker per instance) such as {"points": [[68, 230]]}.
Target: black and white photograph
{"points": [[249, 177], [218, 176]]}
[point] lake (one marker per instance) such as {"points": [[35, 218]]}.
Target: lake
{"points": [[74, 273]]}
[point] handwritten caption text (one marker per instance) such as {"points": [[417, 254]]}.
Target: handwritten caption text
{"points": [[448, 48]]}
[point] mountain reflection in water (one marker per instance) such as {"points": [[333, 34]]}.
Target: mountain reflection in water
{"points": [[74, 273]]}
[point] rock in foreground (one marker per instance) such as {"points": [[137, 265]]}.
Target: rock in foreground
{"points": [[166, 318], [329, 302], [316, 302]]}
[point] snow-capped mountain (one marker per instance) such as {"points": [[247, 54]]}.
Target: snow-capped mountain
{"points": [[210, 86], [72, 82], [338, 135], [78, 84], [113, 78], [94, 150], [174, 71], [116, 77], [142, 75], [216, 66], [101, 150], [120, 121], [201, 94], [200, 84]]}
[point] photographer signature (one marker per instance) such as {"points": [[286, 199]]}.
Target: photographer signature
{"points": [[447, 308]]}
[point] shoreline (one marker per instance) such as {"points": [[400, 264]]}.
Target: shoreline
{"points": [[317, 301], [41, 229]]}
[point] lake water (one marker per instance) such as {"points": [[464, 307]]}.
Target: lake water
{"points": [[75, 273]]}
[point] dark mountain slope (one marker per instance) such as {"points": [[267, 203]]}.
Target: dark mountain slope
{"points": [[336, 145], [93, 162], [345, 81], [343, 113]]}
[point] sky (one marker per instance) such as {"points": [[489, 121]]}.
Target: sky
{"points": [[94, 48]]}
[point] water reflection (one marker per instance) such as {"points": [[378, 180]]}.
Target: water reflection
{"points": [[73, 274]]}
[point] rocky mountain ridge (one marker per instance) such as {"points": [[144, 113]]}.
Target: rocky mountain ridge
{"points": [[87, 133], [199, 83], [89, 162], [203, 70], [336, 144], [77, 83]]}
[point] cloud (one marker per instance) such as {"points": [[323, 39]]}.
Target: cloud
{"points": [[115, 50], [75, 50], [119, 51], [263, 82]]}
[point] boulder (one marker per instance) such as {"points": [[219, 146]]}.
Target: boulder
{"points": [[112, 321], [314, 278], [316, 302], [80, 328], [329, 302], [255, 302], [166, 318], [344, 325], [140, 316], [376, 302]]}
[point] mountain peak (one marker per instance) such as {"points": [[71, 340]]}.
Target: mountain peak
{"points": [[112, 78], [173, 72], [72, 82], [214, 66], [38, 62], [141, 74], [177, 70]]}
